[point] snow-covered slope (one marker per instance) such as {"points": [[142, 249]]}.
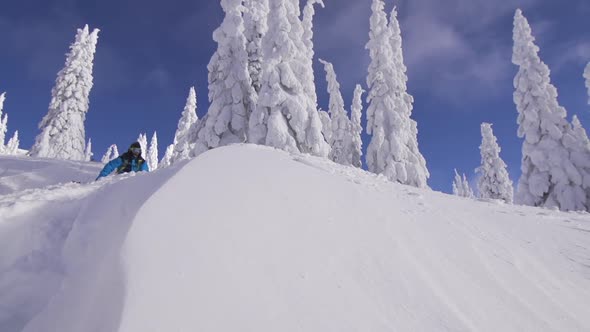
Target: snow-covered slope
{"points": [[19, 172], [247, 238]]}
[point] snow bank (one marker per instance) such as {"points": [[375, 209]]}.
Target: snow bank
{"points": [[247, 238]]}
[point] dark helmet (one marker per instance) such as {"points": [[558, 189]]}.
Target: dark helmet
{"points": [[135, 148]]}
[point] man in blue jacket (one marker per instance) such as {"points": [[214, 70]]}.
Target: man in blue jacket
{"points": [[130, 161]]}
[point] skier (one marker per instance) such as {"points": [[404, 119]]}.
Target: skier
{"points": [[130, 161]]}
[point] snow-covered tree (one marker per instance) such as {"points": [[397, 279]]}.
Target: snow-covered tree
{"points": [[3, 123], [326, 125], [167, 159], [341, 140], [393, 150], [549, 177], [494, 181], [152, 153], [182, 137], [587, 77], [62, 129], [12, 145], [112, 153], [88, 151], [286, 117], [356, 127], [142, 140], [307, 54], [255, 27], [231, 94], [461, 186]]}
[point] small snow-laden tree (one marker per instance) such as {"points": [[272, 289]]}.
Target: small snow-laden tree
{"points": [[356, 128], [461, 186], [494, 181], [182, 138], [152, 153], [341, 140], [3, 123], [393, 149], [326, 125], [255, 27], [112, 153], [62, 129], [549, 178], [231, 94], [286, 117], [12, 145], [167, 159], [579, 145], [587, 77], [88, 151], [142, 140]]}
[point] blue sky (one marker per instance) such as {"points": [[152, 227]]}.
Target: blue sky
{"points": [[150, 52]]}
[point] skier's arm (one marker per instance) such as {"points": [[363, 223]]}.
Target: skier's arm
{"points": [[144, 167], [110, 167]]}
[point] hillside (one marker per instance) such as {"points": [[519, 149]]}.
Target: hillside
{"points": [[247, 238]]}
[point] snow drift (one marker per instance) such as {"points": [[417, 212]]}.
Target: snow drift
{"points": [[247, 238]]}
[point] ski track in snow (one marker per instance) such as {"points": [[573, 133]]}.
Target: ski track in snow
{"points": [[306, 245]]}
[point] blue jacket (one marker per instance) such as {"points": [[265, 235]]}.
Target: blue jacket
{"points": [[124, 164]]}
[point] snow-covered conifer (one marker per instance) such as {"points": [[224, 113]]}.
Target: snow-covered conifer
{"points": [[12, 145], [142, 140], [286, 117], [152, 153], [461, 186], [326, 125], [112, 153], [88, 151], [62, 129], [255, 27], [231, 94], [167, 159], [182, 137], [356, 126], [341, 141], [549, 177], [494, 182], [3, 123], [393, 150], [587, 77], [308, 53]]}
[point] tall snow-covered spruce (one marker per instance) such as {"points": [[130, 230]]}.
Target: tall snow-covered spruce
{"points": [[286, 117], [341, 140], [393, 150], [182, 141], [356, 126], [255, 28], [494, 181], [549, 177], [231, 94], [62, 129], [307, 54]]}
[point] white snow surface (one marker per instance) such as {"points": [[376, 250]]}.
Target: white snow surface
{"points": [[285, 242]]}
